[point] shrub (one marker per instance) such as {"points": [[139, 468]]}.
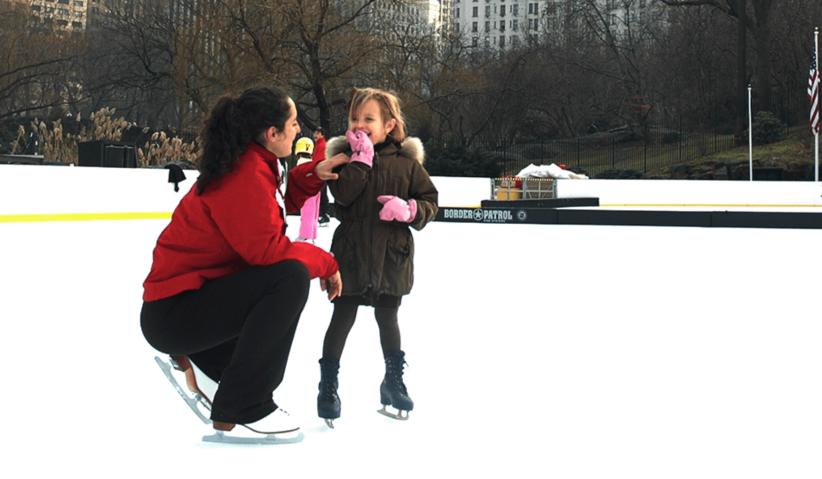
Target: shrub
{"points": [[671, 137], [458, 160], [767, 128], [616, 174]]}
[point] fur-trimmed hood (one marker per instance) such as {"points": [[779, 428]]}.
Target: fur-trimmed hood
{"points": [[410, 148]]}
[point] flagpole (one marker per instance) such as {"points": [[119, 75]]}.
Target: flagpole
{"points": [[816, 134], [750, 136]]}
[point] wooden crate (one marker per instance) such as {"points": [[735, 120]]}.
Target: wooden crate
{"points": [[507, 189], [538, 188]]}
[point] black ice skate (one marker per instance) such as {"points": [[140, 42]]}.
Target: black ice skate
{"points": [[328, 402], [392, 390], [197, 400]]}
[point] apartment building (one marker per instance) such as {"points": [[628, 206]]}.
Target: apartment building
{"points": [[631, 14], [501, 24], [497, 23], [69, 14]]}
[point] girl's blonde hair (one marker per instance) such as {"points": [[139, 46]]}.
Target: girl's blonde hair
{"points": [[389, 108]]}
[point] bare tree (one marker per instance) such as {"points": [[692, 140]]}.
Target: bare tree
{"points": [[758, 23], [35, 59]]}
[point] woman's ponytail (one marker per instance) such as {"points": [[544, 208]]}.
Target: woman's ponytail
{"points": [[232, 124]]}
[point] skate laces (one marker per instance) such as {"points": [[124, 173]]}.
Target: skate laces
{"points": [[328, 380], [395, 372]]}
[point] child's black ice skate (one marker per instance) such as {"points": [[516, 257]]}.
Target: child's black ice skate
{"points": [[392, 390], [328, 402]]}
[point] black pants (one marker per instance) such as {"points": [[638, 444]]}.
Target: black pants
{"points": [[238, 329], [324, 201]]}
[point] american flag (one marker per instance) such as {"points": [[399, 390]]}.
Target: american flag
{"points": [[813, 95]]}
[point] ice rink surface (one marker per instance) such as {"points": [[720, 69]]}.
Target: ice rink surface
{"points": [[533, 350]]}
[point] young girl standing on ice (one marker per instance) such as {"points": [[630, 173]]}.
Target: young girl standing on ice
{"points": [[378, 195]]}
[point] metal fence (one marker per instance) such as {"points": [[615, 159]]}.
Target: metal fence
{"points": [[655, 145]]}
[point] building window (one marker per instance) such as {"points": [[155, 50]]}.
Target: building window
{"points": [[77, 25], [78, 4], [487, 27], [63, 2], [501, 42], [515, 25], [516, 10], [475, 27], [501, 10], [487, 11], [487, 42], [475, 13], [502, 26], [457, 13], [475, 40]]}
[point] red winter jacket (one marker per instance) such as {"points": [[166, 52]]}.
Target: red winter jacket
{"points": [[235, 223], [319, 150]]}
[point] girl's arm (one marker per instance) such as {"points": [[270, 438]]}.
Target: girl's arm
{"points": [[425, 194]]}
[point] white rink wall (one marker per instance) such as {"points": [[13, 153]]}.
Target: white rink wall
{"points": [[693, 192], [50, 190], [62, 190], [34, 189]]}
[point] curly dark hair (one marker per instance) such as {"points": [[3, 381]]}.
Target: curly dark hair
{"points": [[235, 122]]}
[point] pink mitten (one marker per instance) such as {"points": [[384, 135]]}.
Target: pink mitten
{"points": [[397, 209], [361, 146]]}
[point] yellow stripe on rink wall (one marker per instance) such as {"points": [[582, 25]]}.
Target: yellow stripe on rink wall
{"points": [[39, 218]]}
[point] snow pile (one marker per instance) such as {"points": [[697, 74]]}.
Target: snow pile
{"points": [[549, 171]]}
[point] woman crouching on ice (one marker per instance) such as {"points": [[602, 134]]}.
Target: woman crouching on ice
{"points": [[227, 287]]}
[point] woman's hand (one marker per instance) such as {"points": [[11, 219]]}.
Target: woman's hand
{"points": [[333, 285], [324, 169]]}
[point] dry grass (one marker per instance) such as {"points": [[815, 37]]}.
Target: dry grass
{"points": [[162, 149], [57, 146]]}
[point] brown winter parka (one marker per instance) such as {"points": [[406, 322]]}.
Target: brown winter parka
{"points": [[376, 257]]}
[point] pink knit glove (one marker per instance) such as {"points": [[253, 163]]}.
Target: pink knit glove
{"points": [[397, 209], [361, 146]]}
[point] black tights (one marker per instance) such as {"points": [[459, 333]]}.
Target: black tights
{"points": [[343, 319]]}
